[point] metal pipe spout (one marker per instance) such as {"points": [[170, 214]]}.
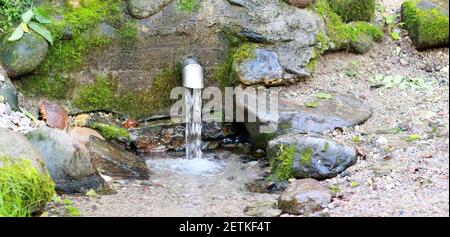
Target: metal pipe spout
{"points": [[192, 74]]}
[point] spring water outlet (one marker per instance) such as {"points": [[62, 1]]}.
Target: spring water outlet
{"points": [[192, 74]]}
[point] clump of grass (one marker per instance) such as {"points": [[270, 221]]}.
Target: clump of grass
{"points": [[111, 132], [23, 190], [281, 166]]}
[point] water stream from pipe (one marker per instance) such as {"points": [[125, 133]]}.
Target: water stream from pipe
{"points": [[193, 124]]}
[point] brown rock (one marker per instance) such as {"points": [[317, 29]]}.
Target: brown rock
{"points": [[130, 123], [54, 115], [304, 196], [116, 162], [82, 134], [300, 3]]}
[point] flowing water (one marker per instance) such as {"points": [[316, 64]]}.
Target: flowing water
{"points": [[193, 124]]}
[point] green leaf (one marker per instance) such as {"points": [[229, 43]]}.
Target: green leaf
{"points": [[41, 18], [27, 16], [24, 27], [29, 115], [324, 96], [91, 193], [312, 104], [412, 138], [42, 31], [72, 211], [17, 34], [395, 35]]}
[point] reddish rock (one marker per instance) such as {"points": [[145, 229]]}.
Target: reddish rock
{"points": [[130, 123], [300, 3], [54, 115]]}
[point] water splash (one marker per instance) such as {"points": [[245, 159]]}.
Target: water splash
{"points": [[193, 123]]}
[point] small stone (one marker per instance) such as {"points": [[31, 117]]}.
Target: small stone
{"points": [[54, 115], [263, 209], [382, 141], [304, 196], [81, 120], [82, 134]]}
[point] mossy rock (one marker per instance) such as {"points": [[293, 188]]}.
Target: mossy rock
{"points": [[427, 22], [354, 10], [25, 186], [24, 55]]}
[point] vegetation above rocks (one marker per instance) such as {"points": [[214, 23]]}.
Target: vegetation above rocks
{"points": [[22, 189], [77, 33], [427, 27], [281, 165], [11, 11], [111, 132], [355, 36], [354, 10], [104, 94]]}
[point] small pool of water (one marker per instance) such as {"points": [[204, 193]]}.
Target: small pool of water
{"points": [[213, 186], [209, 165]]}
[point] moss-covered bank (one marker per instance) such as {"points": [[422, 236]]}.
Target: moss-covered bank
{"points": [[354, 10]]}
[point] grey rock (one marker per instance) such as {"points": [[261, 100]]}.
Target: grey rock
{"points": [[262, 209], [314, 157], [17, 147], [293, 116], [114, 161], [262, 68], [304, 197], [8, 91], [145, 8], [68, 162], [23, 56]]}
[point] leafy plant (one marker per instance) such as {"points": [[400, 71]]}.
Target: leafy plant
{"points": [[32, 19], [11, 11], [391, 81], [188, 5], [389, 22]]}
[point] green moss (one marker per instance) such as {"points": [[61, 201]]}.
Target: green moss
{"points": [[427, 27], [281, 166], [111, 132], [99, 95], [104, 94], [22, 189], [343, 36], [53, 87], [354, 10], [129, 31], [51, 78], [305, 156], [238, 50]]}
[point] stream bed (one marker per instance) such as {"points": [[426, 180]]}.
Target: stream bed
{"points": [[176, 190]]}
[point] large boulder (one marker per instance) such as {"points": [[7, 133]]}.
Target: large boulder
{"points": [[304, 197], [310, 115], [145, 8], [68, 162], [303, 156], [116, 162], [427, 22], [23, 56], [8, 91], [262, 67], [17, 147]]}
